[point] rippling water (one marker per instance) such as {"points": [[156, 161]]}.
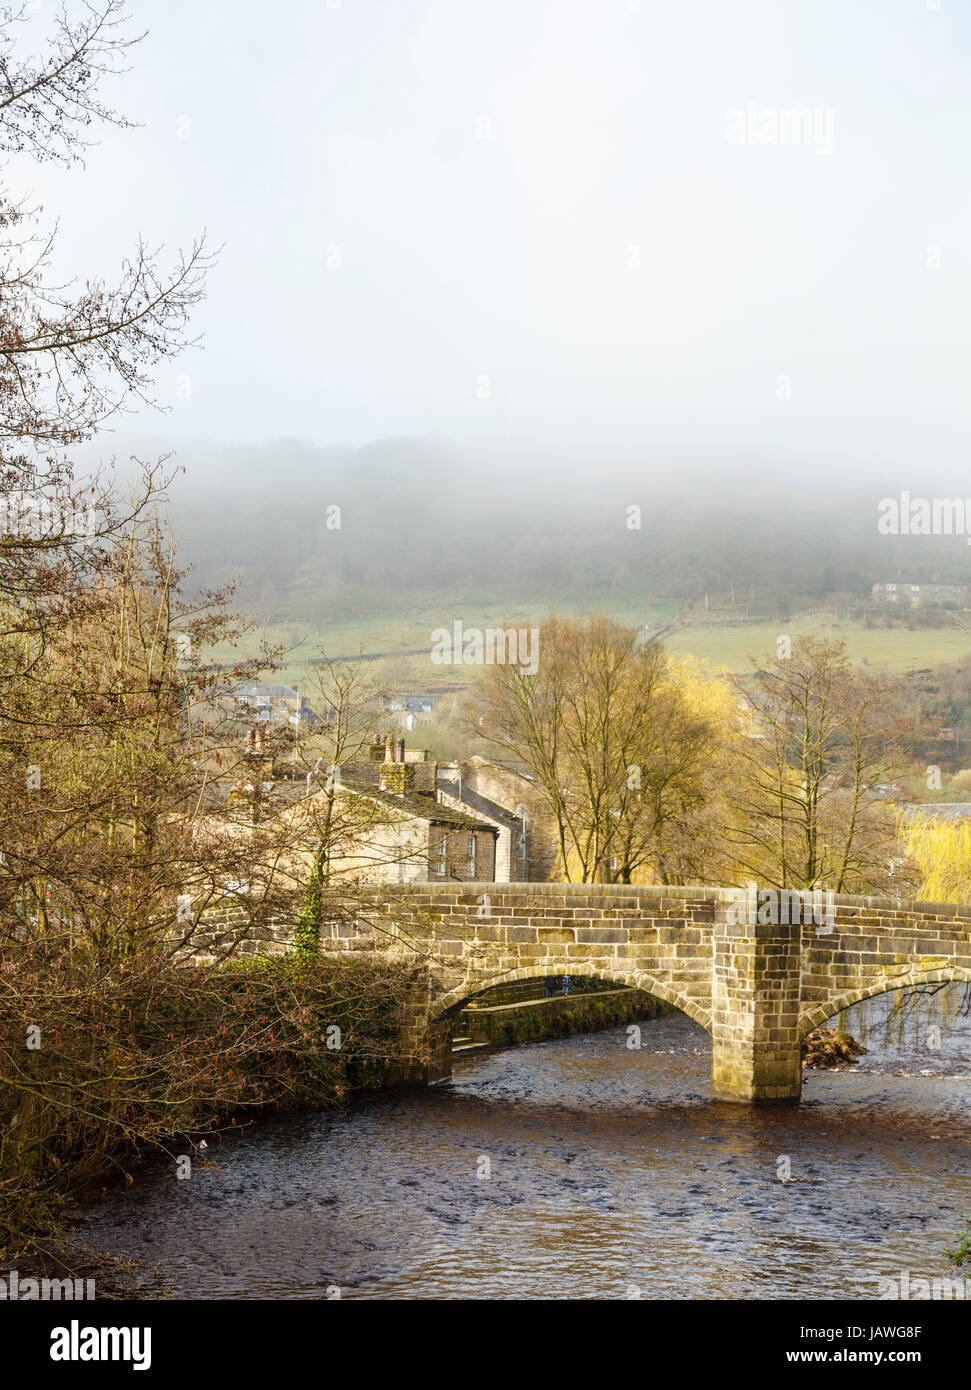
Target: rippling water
{"points": [[611, 1171]]}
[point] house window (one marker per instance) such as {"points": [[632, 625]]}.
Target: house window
{"points": [[471, 856], [442, 851]]}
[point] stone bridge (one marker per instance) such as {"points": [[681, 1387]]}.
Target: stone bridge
{"points": [[757, 989]]}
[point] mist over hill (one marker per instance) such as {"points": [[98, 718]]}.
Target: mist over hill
{"points": [[494, 525]]}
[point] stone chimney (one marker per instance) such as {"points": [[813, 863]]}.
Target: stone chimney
{"points": [[243, 802], [259, 753], [393, 778], [397, 776], [424, 777]]}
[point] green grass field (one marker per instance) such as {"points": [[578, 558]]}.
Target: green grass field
{"points": [[399, 632], [410, 631], [890, 649]]}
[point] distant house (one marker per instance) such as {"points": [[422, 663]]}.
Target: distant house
{"points": [[911, 595], [273, 704], [886, 791], [411, 711]]}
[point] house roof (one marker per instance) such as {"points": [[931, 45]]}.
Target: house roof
{"points": [[507, 765], [420, 806], [940, 810], [365, 779], [275, 692], [477, 802], [361, 781]]}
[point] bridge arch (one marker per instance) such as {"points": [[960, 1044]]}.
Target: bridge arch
{"points": [[756, 987], [819, 1013], [452, 1001]]}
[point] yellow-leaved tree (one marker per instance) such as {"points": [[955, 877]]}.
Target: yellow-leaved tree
{"points": [[940, 851]]}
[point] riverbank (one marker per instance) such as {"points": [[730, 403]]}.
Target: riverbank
{"points": [[68, 1253], [143, 1057], [535, 1020]]}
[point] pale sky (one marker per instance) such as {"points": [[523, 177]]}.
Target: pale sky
{"points": [[494, 172]]}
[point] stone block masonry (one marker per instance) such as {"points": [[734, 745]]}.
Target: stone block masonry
{"points": [[533, 1020], [757, 989]]}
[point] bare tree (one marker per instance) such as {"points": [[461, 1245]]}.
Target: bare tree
{"points": [[70, 357], [823, 738], [605, 729]]}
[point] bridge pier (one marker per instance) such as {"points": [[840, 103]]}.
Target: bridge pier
{"points": [[438, 1044], [756, 1052], [426, 1041]]}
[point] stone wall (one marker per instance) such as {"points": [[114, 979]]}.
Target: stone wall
{"points": [[229, 930], [879, 943], [532, 1020], [456, 861], [758, 989], [522, 991]]}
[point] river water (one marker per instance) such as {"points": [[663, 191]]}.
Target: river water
{"points": [[578, 1168]]}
